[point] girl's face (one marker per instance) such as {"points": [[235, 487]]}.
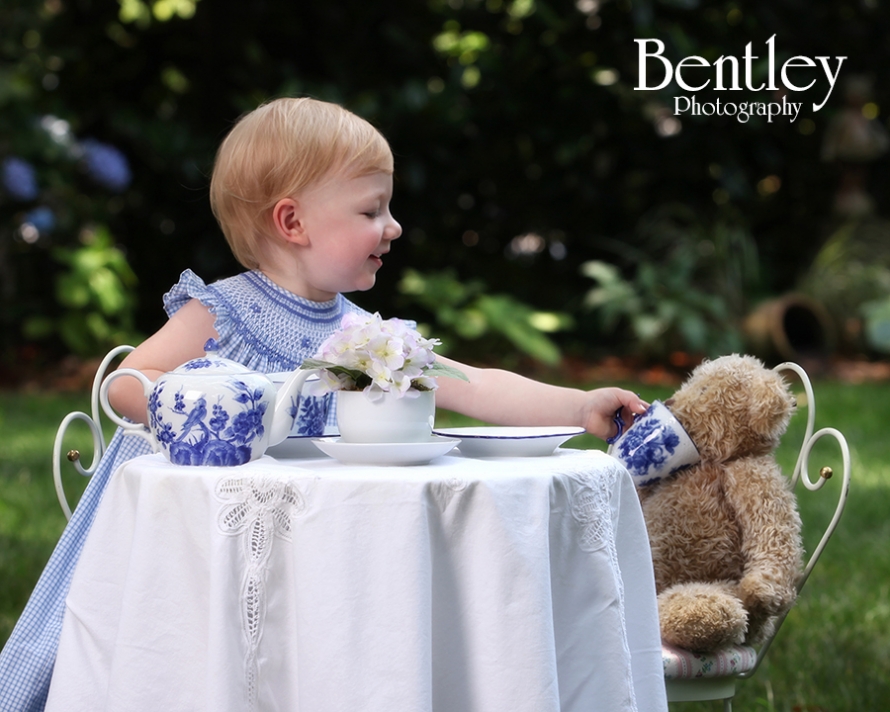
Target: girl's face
{"points": [[347, 229]]}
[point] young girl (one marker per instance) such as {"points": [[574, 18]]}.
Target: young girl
{"points": [[301, 189]]}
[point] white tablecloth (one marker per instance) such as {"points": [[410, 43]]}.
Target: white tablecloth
{"points": [[514, 585]]}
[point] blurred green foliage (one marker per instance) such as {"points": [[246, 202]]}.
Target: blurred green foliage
{"points": [[466, 317], [97, 293], [665, 311], [522, 149], [61, 275], [689, 288], [851, 276]]}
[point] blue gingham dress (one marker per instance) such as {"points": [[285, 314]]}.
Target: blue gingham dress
{"points": [[260, 325]]}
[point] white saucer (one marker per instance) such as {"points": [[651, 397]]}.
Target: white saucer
{"points": [[418, 453], [489, 441], [296, 447]]}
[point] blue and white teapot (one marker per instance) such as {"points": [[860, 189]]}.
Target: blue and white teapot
{"points": [[212, 410]]}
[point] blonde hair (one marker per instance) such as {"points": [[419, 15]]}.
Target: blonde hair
{"points": [[278, 150]]}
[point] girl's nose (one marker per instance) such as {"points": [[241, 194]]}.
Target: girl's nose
{"points": [[393, 230]]}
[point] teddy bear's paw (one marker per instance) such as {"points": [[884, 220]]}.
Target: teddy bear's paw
{"points": [[766, 594], [701, 617], [760, 628]]}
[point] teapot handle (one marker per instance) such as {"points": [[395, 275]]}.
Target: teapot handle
{"points": [[129, 427]]}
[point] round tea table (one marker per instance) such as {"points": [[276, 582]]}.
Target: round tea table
{"points": [[463, 585]]}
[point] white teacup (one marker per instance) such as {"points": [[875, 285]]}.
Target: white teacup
{"points": [[655, 446]]}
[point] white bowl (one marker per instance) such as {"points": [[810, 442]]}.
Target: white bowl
{"points": [[499, 441]]}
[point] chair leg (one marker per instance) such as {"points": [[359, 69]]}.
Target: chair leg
{"points": [[727, 704]]}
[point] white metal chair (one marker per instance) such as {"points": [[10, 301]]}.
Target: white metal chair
{"points": [[693, 677], [95, 427]]}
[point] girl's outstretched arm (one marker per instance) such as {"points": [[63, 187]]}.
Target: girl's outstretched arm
{"points": [[505, 398], [181, 339]]}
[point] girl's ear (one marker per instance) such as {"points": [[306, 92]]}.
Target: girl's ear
{"points": [[288, 223]]}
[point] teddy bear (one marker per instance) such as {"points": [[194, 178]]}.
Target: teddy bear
{"points": [[725, 532]]}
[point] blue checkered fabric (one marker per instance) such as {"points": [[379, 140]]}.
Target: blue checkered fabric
{"points": [[261, 326]]}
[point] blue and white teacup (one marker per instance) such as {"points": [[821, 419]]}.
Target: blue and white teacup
{"points": [[655, 446]]}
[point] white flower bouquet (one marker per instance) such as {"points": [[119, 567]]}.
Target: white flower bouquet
{"points": [[378, 356]]}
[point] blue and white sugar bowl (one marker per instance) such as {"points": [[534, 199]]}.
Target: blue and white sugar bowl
{"points": [[655, 446], [212, 410]]}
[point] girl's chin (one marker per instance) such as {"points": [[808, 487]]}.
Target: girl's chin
{"points": [[364, 284]]}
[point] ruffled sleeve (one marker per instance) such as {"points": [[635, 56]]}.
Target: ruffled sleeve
{"points": [[258, 323], [190, 286]]}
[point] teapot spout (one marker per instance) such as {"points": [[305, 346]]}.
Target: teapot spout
{"points": [[287, 405]]}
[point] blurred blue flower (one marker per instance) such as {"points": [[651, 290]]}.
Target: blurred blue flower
{"points": [[106, 165], [19, 178], [41, 218]]}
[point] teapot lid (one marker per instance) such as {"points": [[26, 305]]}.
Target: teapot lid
{"points": [[211, 364]]}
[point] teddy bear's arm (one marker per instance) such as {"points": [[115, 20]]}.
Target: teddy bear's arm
{"points": [[767, 515]]}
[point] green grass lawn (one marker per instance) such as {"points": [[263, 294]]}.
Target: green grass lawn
{"points": [[31, 519], [832, 654]]}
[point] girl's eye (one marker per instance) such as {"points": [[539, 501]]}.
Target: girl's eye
{"points": [[372, 214]]}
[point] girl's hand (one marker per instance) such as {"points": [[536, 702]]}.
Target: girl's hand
{"points": [[503, 398], [603, 403]]}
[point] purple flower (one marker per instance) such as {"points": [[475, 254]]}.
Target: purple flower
{"points": [[42, 218], [19, 178], [106, 165]]}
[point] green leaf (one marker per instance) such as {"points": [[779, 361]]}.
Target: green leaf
{"points": [[648, 327], [314, 363], [311, 363], [441, 369], [550, 322], [108, 290], [602, 272], [470, 324], [72, 292], [511, 318]]}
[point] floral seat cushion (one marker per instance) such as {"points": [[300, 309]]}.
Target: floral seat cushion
{"points": [[682, 664]]}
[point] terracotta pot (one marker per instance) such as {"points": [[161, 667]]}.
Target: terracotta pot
{"points": [[793, 327]]}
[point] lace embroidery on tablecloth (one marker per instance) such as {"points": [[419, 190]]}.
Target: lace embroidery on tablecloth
{"points": [[592, 509], [259, 509], [591, 505]]}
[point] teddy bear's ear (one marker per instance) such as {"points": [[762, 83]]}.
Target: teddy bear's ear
{"points": [[771, 406]]}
